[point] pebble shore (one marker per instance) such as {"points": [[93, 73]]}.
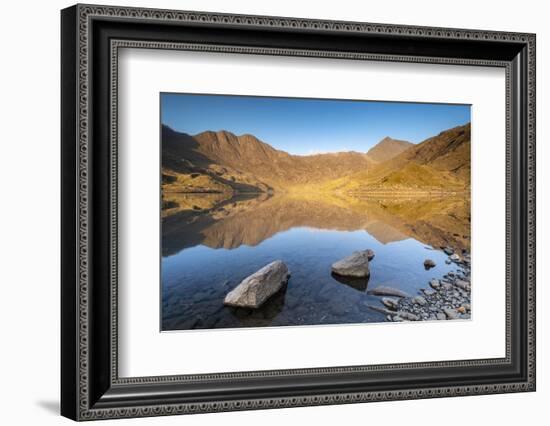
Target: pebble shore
{"points": [[446, 298]]}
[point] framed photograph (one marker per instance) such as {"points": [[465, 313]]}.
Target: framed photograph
{"points": [[263, 212]]}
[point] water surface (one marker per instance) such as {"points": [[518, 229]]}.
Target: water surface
{"points": [[211, 242]]}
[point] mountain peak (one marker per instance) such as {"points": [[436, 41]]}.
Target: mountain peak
{"points": [[387, 148], [215, 134], [227, 135]]}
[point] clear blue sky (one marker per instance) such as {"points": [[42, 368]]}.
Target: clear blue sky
{"points": [[307, 126]]}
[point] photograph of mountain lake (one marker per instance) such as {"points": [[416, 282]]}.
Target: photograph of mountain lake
{"points": [[293, 211]]}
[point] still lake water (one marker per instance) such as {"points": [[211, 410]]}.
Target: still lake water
{"points": [[211, 245]]}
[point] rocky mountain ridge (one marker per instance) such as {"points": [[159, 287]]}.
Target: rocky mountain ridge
{"points": [[218, 162]]}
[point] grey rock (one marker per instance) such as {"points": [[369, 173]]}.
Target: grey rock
{"points": [[387, 291], [448, 250], [390, 303], [464, 285], [370, 254], [435, 283], [454, 257], [450, 313], [441, 316], [356, 265], [448, 262], [407, 316], [428, 291], [419, 300], [254, 290]]}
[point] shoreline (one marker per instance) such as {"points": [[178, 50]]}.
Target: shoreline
{"points": [[446, 298]]}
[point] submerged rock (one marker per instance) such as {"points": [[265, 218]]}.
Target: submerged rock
{"points": [[255, 289], [429, 263], [387, 291], [356, 265], [380, 309]]}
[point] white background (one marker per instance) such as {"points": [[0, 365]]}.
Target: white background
{"points": [[146, 352], [29, 225]]}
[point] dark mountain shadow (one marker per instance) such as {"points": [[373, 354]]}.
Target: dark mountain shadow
{"points": [[178, 149], [180, 154]]}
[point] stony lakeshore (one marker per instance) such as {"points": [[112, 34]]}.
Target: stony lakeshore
{"points": [[445, 298]]}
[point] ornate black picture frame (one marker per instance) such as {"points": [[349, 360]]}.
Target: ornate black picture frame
{"points": [[90, 38]]}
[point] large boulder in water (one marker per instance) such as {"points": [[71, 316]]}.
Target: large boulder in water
{"points": [[356, 265], [255, 289]]}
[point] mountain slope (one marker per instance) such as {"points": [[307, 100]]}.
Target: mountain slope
{"points": [[221, 162], [233, 161], [440, 163], [186, 168], [280, 169], [449, 151], [387, 148]]}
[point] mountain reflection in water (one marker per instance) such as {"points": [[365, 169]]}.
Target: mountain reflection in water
{"points": [[210, 242]]}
